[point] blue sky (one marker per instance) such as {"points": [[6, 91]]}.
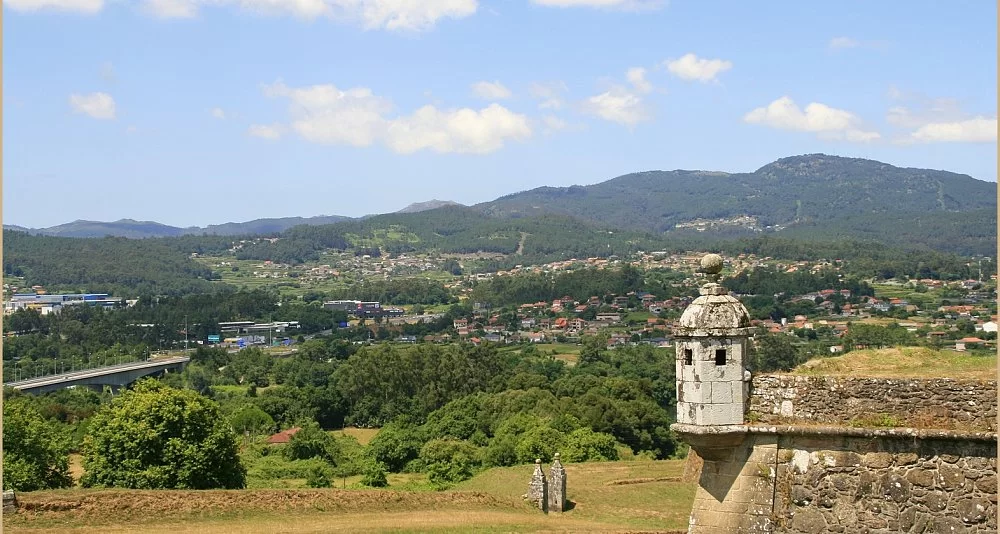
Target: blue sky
{"points": [[197, 112]]}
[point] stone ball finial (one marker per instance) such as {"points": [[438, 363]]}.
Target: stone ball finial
{"points": [[557, 456], [711, 264], [538, 461]]}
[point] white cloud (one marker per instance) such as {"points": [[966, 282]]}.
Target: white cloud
{"points": [[463, 130], [843, 42], [131, 130], [618, 104], [82, 6], [490, 90], [218, 113], [607, 4], [407, 14], [270, 132], [328, 115], [372, 14], [172, 9], [96, 105], [937, 120], [974, 130], [691, 67], [827, 122], [549, 94], [637, 77]]}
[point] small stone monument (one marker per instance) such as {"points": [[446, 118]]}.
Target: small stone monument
{"points": [[557, 493], [9, 501], [538, 488]]}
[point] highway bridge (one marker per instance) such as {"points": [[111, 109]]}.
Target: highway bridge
{"points": [[115, 376]]}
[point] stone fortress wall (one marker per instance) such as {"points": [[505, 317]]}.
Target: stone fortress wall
{"points": [[935, 403], [809, 479]]}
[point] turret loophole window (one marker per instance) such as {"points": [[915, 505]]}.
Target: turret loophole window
{"points": [[720, 356], [688, 357]]}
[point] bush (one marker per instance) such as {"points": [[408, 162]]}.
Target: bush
{"points": [[374, 474], [277, 467], [34, 457], [157, 437], [395, 445], [317, 478], [585, 445], [449, 461], [312, 442], [540, 442]]}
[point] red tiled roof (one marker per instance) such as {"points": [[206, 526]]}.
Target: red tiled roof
{"points": [[284, 436]]}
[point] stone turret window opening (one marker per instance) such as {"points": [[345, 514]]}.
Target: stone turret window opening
{"points": [[688, 357], [720, 356]]}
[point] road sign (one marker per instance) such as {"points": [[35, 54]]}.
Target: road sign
{"points": [[214, 338]]}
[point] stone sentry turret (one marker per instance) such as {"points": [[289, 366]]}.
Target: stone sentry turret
{"points": [[711, 341]]}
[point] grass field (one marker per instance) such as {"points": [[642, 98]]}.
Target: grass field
{"points": [[904, 362], [636, 496], [363, 435]]}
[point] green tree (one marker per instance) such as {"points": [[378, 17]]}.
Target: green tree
{"points": [[34, 456], [250, 418], [775, 352], [583, 445], [312, 442], [154, 437]]}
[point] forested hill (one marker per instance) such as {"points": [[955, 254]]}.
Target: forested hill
{"points": [[803, 191], [116, 265], [133, 229]]}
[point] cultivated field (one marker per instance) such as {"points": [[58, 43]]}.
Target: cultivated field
{"points": [[635, 496]]}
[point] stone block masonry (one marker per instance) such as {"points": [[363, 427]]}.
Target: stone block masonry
{"points": [[885, 485], [920, 403], [813, 479], [538, 488], [557, 486]]}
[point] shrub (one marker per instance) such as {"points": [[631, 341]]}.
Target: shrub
{"points": [[34, 457], [155, 437]]}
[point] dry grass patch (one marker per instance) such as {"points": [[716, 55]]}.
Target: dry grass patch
{"points": [[363, 435], [636, 496], [903, 362]]}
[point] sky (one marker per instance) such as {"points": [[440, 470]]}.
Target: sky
{"points": [[198, 112]]}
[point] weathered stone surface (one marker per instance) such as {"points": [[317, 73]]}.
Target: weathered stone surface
{"points": [[922, 403], [972, 511], [801, 496], [950, 476], [538, 492], [878, 460], [808, 521], [557, 486], [987, 484], [899, 486], [921, 477]]}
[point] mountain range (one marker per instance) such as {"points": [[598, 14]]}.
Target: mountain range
{"points": [[809, 196]]}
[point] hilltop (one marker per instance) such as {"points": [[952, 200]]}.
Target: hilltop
{"points": [[808, 196]]}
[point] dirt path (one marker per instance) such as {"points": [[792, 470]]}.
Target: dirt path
{"points": [[520, 244]]}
